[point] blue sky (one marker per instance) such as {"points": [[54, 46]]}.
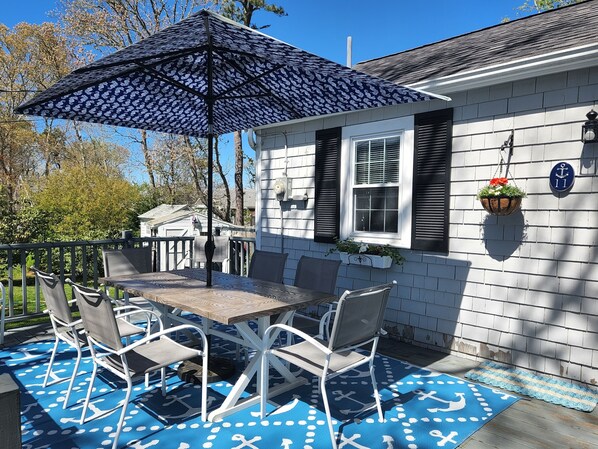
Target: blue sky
{"points": [[377, 28]]}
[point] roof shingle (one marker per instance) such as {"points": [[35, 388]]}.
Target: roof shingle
{"points": [[547, 32]]}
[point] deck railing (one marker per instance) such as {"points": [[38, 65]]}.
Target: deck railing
{"points": [[82, 262]]}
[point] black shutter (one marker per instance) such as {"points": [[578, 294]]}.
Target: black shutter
{"points": [[327, 195], [431, 180]]}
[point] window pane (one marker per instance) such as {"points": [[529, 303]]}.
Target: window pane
{"points": [[376, 172], [391, 221], [362, 221], [377, 161], [377, 221], [362, 150], [377, 150], [361, 174], [376, 209]]}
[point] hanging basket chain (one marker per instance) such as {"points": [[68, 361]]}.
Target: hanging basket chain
{"points": [[502, 164]]}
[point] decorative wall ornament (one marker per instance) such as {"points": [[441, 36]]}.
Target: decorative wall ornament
{"points": [[562, 177]]}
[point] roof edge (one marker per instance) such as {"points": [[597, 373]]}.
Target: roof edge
{"points": [[501, 24], [563, 60]]}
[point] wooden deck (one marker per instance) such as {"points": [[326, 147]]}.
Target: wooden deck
{"points": [[529, 423]]}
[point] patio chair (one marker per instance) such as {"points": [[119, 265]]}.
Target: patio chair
{"points": [[220, 258], [152, 353], [126, 261], [68, 329], [267, 266], [317, 274], [353, 342]]}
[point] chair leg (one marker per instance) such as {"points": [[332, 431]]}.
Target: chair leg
{"points": [[204, 385], [163, 380], [88, 396], [376, 393], [327, 408], [264, 385], [123, 413], [72, 382], [51, 362]]}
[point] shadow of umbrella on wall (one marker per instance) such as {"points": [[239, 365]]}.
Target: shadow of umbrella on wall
{"points": [[207, 76]]}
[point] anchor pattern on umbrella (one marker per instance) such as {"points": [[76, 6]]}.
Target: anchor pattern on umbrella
{"points": [[161, 83]]}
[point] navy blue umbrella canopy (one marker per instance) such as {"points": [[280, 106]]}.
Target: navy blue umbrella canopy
{"points": [[162, 83], [206, 76]]}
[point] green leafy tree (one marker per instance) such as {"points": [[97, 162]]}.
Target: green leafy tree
{"points": [[88, 203], [545, 5]]}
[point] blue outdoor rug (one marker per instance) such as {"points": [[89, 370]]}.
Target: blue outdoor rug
{"points": [[535, 385], [422, 409]]}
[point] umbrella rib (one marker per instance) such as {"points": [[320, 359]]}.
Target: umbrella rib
{"points": [[162, 77], [249, 81], [266, 91], [169, 56]]}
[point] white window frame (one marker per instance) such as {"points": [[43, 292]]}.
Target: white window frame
{"points": [[403, 126]]}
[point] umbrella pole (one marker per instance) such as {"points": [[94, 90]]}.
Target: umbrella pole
{"points": [[210, 106], [209, 247]]}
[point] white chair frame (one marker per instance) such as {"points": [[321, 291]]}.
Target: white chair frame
{"points": [[99, 361]]}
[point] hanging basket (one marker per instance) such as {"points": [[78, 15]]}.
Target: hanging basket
{"points": [[501, 205]]}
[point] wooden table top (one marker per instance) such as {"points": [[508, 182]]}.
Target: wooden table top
{"points": [[231, 299]]}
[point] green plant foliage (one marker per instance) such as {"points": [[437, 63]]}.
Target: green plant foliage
{"points": [[500, 187], [88, 203], [353, 247]]}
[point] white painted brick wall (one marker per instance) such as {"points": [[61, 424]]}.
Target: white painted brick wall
{"points": [[523, 288]]}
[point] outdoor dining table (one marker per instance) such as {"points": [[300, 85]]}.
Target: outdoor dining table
{"points": [[232, 300]]}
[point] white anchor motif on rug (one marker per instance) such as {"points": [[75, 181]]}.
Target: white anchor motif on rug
{"points": [[452, 405], [444, 439]]}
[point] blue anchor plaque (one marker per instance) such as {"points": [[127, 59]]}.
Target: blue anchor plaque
{"points": [[562, 177]]}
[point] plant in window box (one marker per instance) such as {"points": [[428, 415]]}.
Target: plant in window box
{"points": [[368, 254], [501, 198]]}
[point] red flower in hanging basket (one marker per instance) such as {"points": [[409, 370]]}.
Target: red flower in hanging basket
{"points": [[499, 182]]}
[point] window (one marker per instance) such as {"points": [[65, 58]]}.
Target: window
{"points": [[376, 185], [385, 182], [378, 182]]}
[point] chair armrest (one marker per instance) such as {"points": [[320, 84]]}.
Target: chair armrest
{"points": [[204, 339], [325, 321], [134, 310], [294, 331]]}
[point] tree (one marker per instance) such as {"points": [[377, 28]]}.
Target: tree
{"points": [[32, 58], [87, 202], [242, 11], [545, 5], [108, 25]]}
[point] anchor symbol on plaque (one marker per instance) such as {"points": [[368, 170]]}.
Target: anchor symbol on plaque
{"points": [[562, 177]]}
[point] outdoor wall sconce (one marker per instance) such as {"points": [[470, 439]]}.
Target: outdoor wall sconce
{"points": [[589, 130]]}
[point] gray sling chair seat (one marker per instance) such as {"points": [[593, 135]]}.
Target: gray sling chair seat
{"points": [[357, 323], [126, 261], [267, 266], [140, 358], [316, 274], [68, 329]]}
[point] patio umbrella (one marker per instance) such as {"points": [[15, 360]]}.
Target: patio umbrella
{"points": [[207, 76]]}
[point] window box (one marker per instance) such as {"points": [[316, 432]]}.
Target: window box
{"points": [[368, 260]]}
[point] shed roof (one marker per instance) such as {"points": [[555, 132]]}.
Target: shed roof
{"points": [[163, 209], [547, 32]]}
